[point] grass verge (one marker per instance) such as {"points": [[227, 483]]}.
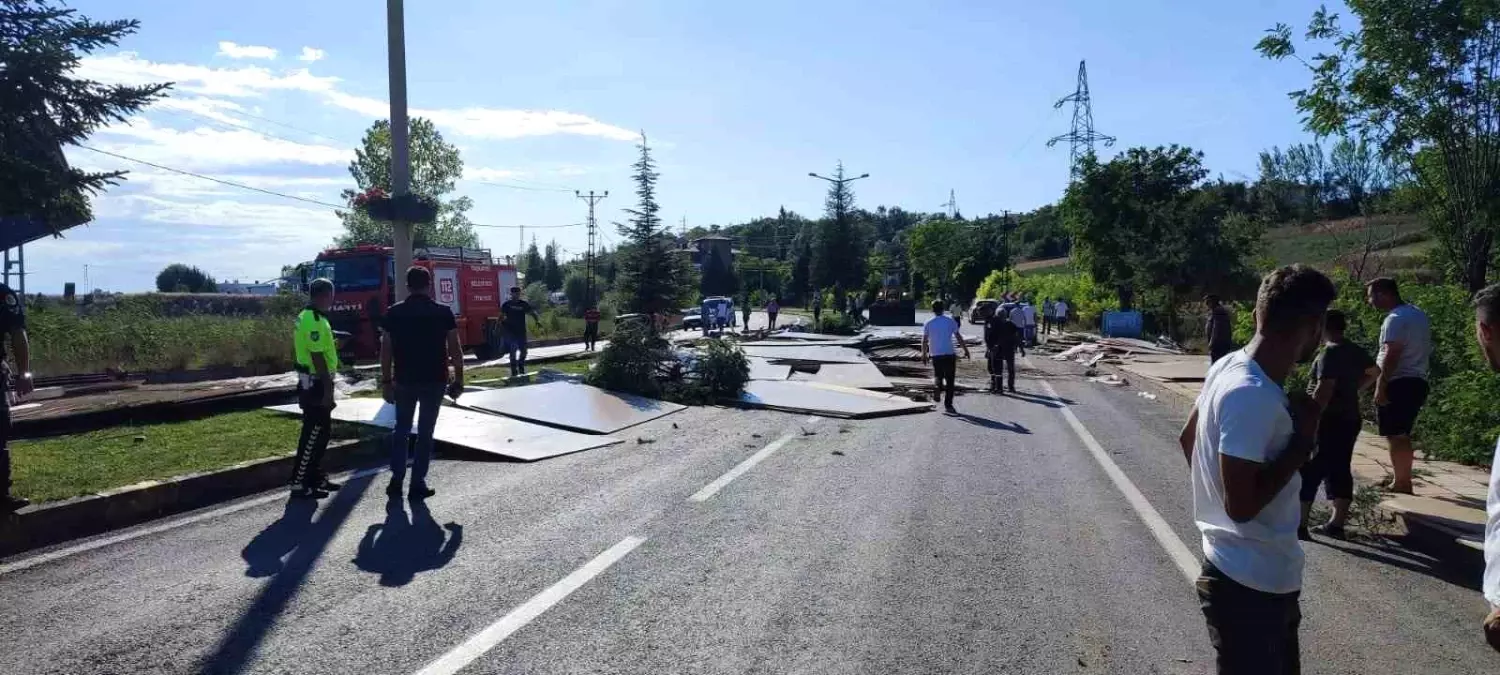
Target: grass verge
{"points": [[49, 469], [577, 366]]}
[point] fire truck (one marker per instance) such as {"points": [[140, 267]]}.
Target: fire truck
{"points": [[467, 280]]}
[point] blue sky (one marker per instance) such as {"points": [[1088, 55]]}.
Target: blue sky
{"points": [[741, 101]]}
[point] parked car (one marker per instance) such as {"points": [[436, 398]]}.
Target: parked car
{"points": [[983, 310], [692, 319]]}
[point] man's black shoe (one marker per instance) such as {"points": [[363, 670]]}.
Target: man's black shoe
{"points": [[420, 491], [394, 489], [13, 503], [329, 486], [304, 492]]}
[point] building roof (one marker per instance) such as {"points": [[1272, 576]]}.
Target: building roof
{"points": [[18, 230], [712, 237]]}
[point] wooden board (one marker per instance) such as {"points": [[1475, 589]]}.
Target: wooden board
{"points": [[825, 400], [568, 405], [1190, 369], [807, 354], [762, 369], [856, 375], [479, 431]]}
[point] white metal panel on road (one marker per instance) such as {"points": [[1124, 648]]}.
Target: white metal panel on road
{"points": [[572, 406]]}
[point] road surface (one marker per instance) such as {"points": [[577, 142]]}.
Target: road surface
{"points": [[728, 541]]}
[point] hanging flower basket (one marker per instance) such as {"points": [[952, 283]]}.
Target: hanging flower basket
{"points": [[379, 206]]}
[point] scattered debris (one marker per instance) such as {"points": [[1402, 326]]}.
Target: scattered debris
{"points": [[840, 453], [644, 441], [1111, 379], [1146, 395], [751, 435]]}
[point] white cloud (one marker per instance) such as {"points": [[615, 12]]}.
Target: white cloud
{"points": [[203, 148], [253, 81], [486, 173], [310, 54], [246, 81], [235, 51], [212, 108]]}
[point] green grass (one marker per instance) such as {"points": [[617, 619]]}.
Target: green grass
{"points": [[1322, 243], [60, 467]]}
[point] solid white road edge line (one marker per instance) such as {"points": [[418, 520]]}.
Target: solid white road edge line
{"points": [[713, 488], [1176, 550], [94, 544], [497, 632]]}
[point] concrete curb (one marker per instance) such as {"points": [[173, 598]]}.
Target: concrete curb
{"points": [[56, 522]]}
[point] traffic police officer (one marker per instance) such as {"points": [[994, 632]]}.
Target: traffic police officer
{"points": [[317, 360], [12, 323]]}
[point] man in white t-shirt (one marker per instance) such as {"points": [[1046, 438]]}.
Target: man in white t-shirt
{"points": [[1060, 314], [1487, 330], [941, 340], [1245, 442], [1028, 315], [1401, 389]]}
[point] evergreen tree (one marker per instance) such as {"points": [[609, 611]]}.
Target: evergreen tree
{"points": [[719, 277], [653, 277], [839, 257], [552, 272], [802, 267], [42, 108], [533, 266]]}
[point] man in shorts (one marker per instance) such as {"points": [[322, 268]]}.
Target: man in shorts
{"points": [[1401, 390]]}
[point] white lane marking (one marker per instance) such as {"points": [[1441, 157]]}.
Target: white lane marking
{"points": [[495, 633], [94, 544], [713, 488], [1176, 550]]}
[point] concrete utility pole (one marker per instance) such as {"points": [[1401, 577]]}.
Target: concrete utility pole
{"points": [[592, 199], [395, 27]]}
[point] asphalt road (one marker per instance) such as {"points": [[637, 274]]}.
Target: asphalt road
{"points": [[991, 542]]}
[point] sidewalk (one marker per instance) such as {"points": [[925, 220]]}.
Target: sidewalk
{"points": [[1449, 498]]}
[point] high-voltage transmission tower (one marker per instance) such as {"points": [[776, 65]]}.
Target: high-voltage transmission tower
{"points": [[592, 199], [1082, 138]]}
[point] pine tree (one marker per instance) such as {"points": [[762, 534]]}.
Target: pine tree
{"points": [[43, 108], [653, 277], [534, 267], [839, 257], [552, 271]]}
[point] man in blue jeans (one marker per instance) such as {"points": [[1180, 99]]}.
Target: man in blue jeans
{"points": [[419, 340]]}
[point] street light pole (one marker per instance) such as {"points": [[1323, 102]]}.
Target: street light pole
{"points": [[838, 220], [400, 143]]}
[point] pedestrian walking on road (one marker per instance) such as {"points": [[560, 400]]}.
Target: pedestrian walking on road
{"points": [[1028, 321], [817, 310], [1220, 329], [1338, 375], [772, 308], [12, 323], [745, 313], [940, 340], [317, 359], [1048, 310], [513, 314], [1001, 340], [1487, 330], [1401, 390], [590, 328], [1060, 310], [419, 343], [1245, 441]]}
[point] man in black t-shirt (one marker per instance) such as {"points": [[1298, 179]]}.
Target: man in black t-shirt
{"points": [[12, 323], [1338, 374], [419, 341], [1002, 338], [513, 329]]}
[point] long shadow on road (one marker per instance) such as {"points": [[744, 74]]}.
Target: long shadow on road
{"points": [[1013, 427], [399, 549], [302, 540]]}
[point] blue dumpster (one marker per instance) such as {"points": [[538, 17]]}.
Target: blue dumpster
{"points": [[1127, 324]]}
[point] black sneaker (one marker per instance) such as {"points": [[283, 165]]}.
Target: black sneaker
{"points": [[950, 409], [304, 492], [420, 491], [329, 486], [394, 489], [10, 503]]}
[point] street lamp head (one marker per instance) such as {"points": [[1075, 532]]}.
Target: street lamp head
{"points": [[865, 175], [814, 175]]}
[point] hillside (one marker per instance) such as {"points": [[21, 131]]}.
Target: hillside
{"points": [[1400, 243]]}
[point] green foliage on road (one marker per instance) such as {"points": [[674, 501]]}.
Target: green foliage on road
{"points": [[435, 169], [60, 467]]}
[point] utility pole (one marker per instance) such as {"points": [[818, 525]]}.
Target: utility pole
{"points": [[592, 199], [395, 27], [838, 216], [1082, 137]]}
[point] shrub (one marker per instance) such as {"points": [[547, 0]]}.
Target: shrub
{"points": [[722, 369], [632, 361], [836, 324]]}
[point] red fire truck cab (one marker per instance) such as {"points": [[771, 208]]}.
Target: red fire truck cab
{"points": [[465, 279]]}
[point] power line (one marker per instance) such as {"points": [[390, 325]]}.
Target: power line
{"points": [[282, 195]]}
